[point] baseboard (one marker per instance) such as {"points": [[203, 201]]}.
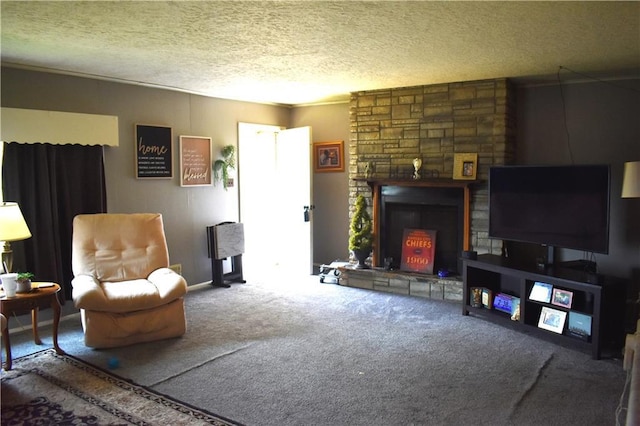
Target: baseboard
{"points": [[198, 286], [20, 328]]}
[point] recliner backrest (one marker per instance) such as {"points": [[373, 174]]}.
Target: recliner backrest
{"points": [[118, 246]]}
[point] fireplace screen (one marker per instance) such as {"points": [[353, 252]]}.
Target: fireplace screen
{"points": [[438, 209]]}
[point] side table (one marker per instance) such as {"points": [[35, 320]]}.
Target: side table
{"points": [[41, 295]]}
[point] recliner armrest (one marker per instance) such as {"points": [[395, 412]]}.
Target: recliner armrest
{"points": [[169, 283], [87, 292]]}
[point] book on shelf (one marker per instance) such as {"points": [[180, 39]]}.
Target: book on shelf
{"points": [[487, 298], [579, 325]]}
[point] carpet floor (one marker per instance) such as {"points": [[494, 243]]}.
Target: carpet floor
{"points": [[46, 388], [294, 352]]}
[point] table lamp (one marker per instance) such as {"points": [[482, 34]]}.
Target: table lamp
{"points": [[631, 180], [12, 228]]}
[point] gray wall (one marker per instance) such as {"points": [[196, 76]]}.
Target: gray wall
{"points": [[603, 126], [330, 190], [186, 211], [602, 119]]}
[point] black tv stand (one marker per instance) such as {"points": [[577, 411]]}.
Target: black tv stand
{"points": [[602, 302]]}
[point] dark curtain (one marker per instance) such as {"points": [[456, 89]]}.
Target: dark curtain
{"points": [[52, 184]]}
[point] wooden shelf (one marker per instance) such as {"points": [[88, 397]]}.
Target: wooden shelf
{"points": [[600, 297]]}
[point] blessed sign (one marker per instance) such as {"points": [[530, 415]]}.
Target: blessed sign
{"points": [[195, 161]]}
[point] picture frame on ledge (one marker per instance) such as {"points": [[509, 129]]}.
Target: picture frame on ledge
{"points": [[465, 166], [562, 298], [541, 292], [552, 320]]}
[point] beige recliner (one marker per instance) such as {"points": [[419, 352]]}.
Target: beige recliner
{"points": [[122, 284]]}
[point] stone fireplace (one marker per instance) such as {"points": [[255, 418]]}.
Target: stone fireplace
{"points": [[389, 128], [440, 209]]}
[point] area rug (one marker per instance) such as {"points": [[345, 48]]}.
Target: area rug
{"points": [[46, 388]]}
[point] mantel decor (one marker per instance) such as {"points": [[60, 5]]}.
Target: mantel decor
{"points": [[328, 156], [465, 166], [195, 161], [154, 156]]}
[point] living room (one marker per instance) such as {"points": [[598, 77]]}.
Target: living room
{"points": [[566, 116], [601, 116]]}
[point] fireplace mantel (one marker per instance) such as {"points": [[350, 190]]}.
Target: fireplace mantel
{"points": [[377, 183], [430, 182]]}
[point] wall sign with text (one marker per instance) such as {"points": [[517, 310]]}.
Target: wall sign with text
{"points": [[195, 161], [154, 158]]}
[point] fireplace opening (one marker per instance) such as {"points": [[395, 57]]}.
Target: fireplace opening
{"points": [[431, 208]]}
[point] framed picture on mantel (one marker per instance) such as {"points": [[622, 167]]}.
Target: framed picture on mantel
{"points": [[465, 166]]}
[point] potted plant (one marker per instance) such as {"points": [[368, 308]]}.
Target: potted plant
{"points": [[24, 282], [222, 166], [361, 232]]}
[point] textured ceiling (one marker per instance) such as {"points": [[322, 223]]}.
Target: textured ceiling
{"points": [[312, 51]]}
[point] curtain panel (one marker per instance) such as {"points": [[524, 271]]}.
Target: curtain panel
{"points": [[52, 184]]}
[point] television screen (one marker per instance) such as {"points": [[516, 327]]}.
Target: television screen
{"points": [[559, 206]]}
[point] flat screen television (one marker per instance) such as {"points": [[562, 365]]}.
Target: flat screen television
{"points": [[555, 206]]}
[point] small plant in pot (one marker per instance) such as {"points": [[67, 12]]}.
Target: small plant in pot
{"points": [[24, 282], [222, 166], [361, 233]]}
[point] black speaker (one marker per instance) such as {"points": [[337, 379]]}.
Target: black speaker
{"points": [[470, 254]]}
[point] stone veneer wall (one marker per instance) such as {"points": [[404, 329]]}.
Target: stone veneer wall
{"points": [[398, 282], [391, 127]]}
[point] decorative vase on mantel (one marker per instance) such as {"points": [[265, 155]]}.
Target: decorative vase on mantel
{"points": [[361, 255]]}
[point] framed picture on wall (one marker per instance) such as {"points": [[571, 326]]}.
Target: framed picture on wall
{"points": [[154, 156], [328, 156], [195, 161], [465, 166]]}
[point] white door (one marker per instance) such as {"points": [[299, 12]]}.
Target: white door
{"points": [[274, 181]]}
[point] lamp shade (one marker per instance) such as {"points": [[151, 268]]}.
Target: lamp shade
{"points": [[12, 224], [631, 180]]}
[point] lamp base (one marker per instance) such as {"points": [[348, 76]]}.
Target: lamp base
{"points": [[7, 257]]}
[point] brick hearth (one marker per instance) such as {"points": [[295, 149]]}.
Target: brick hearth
{"points": [[398, 282]]}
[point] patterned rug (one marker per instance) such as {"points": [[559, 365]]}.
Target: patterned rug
{"points": [[50, 389]]}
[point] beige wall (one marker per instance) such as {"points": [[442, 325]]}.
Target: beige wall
{"points": [[330, 190], [186, 211]]}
